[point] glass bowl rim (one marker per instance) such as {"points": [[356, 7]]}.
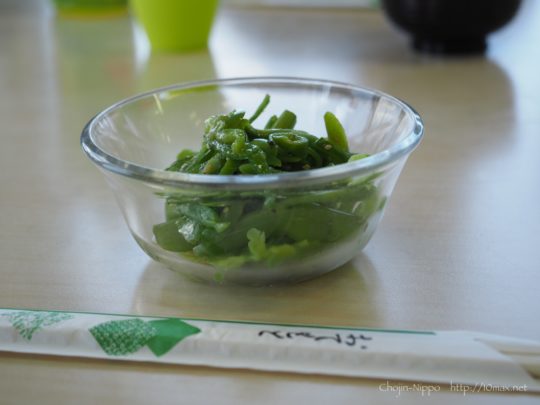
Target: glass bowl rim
{"points": [[249, 182]]}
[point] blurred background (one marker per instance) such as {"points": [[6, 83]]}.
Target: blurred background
{"points": [[66, 49]]}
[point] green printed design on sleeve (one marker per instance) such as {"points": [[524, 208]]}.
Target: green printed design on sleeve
{"points": [[29, 322], [170, 332], [120, 338]]}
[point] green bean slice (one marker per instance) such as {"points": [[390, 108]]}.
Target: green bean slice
{"points": [[287, 120], [336, 132]]}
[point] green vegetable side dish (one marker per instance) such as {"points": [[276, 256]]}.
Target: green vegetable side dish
{"points": [[230, 230]]}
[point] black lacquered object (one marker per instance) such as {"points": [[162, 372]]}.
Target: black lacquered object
{"points": [[450, 26]]}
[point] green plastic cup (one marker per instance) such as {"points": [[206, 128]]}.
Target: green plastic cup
{"points": [[176, 25], [90, 8]]}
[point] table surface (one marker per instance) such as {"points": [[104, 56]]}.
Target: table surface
{"points": [[458, 247]]}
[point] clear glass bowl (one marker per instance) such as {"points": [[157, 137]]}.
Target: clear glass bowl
{"points": [[284, 227]]}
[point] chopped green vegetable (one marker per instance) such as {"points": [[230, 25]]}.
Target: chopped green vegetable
{"points": [[287, 120], [260, 109], [335, 131], [230, 230]]}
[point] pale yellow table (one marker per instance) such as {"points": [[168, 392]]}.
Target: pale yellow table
{"points": [[459, 247]]}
